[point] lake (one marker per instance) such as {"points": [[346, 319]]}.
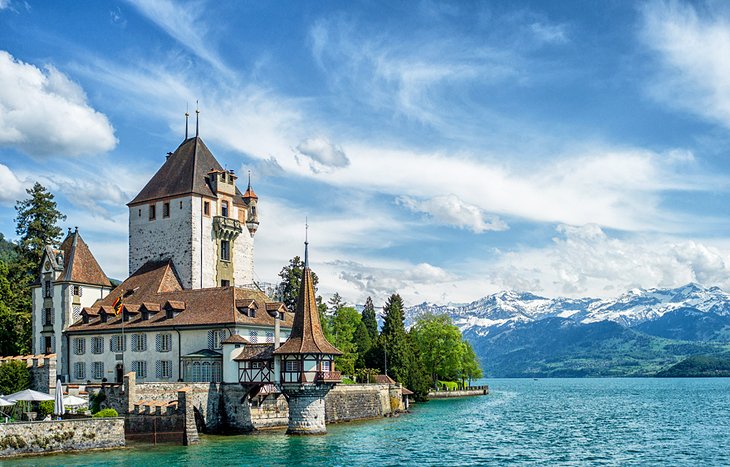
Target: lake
{"points": [[523, 421]]}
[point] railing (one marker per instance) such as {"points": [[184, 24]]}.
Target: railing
{"points": [[227, 224], [311, 376]]}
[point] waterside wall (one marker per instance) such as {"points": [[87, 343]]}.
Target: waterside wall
{"points": [[471, 391], [57, 436]]}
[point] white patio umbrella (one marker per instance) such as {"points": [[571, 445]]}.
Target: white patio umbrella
{"points": [[5, 402], [29, 395], [58, 408], [73, 401]]}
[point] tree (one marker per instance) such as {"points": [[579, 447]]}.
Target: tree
{"points": [[362, 342], [370, 320], [470, 368], [291, 281], [335, 303], [14, 377], [439, 342], [344, 323], [36, 223], [15, 310]]}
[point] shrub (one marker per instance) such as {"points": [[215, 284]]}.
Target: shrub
{"points": [[449, 385], [95, 401], [45, 408], [14, 377], [346, 380], [106, 413]]}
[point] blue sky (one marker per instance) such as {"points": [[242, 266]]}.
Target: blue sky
{"points": [[441, 150]]}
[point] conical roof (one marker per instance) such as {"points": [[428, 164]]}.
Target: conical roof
{"points": [[306, 335], [184, 172]]}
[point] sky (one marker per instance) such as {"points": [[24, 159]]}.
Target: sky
{"points": [[442, 150]]}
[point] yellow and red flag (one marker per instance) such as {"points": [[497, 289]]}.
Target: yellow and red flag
{"points": [[117, 305]]}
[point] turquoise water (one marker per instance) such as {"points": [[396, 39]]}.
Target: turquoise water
{"points": [[523, 421]]}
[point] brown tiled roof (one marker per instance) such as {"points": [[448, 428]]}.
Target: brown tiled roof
{"points": [[255, 352], [384, 379], [306, 336], [153, 284], [79, 264], [184, 172], [250, 193], [406, 392], [235, 339]]}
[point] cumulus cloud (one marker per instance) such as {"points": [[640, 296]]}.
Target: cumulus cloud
{"points": [[322, 154], [380, 282], [692, 52], [45, 113], [586, 260], [11, 188], [451, 210]]}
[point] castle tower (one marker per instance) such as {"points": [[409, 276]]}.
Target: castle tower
{"points": [[192, 213], [70, 279], [306, 362]]}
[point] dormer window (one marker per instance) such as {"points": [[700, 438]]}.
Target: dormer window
{"points": [[224, 209]]}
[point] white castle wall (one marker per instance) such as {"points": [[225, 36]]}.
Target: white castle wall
{"points": [[164, 237]]}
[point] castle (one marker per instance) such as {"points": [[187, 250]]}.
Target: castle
{"points": [[190, 310]]}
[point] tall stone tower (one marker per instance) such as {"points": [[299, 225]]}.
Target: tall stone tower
{"points": [[306, 363], [192, 212]]}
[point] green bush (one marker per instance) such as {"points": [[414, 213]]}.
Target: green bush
{"points": [[106, 413], [95, 401], [346, 380], [14, 377], [45, 408], [448, 385]]}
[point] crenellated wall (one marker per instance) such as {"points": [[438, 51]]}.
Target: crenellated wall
{"points": [[42, 370]]}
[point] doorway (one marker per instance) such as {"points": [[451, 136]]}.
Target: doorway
{"points": [[120, 372]]}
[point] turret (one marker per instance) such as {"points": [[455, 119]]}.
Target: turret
{"points": [[251, 200]]}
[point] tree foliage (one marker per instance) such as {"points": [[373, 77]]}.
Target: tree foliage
{"points": [[37, 223], [291, 281], [14, 377], [343, 325], [370, 320]]}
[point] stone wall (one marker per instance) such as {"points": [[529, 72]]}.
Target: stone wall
{"points": [[55, 436], [358, 401], [42, 370], [472, 391]]}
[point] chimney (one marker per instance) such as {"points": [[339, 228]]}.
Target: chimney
{"points": [[277, 337]]}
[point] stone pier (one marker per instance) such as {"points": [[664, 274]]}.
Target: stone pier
{"points": [[306, 410]]}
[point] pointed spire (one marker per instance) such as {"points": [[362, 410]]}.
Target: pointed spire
{"points": [[187, 115], [306, 244], [249, 179], [197, 119]]}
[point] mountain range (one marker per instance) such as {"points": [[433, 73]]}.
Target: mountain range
{"points": [[640, 333]]}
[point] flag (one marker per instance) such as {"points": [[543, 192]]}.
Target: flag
{"points": [[117, 305]]}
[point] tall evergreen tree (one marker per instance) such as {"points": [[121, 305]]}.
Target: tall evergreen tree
{"points": [[362, 342], [370, 320], [36, 223]]}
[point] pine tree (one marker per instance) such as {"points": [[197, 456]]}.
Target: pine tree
{"points": [[370, 320], [36, 223], [362, 342]]}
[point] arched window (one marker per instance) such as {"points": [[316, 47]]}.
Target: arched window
{"points": [[217, 372], [205, 373], [196, 372]]}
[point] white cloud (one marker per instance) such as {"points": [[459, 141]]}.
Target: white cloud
{"points": [[11, 188], [185, 24], [549, 33], [4, 4], [587, 261], [692, 49], [45, 113], [322, 154], [450, 210]]}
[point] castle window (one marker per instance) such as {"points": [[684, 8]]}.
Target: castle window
{"points": [[152, 212], [224, 208], [79, 346], [116, 343], [215, 338], [77, 290], [139, 342], [164, 369], [97, 345], [80, 370], [140, 367], [48, 344], [180, 204], [216, 372], [196, 371], [97, 370], [225, 283], [292, 365], [166, 210], [139, 213], [205, 372], [206, 208], [163, 342], [48, 291], [225, 250], [48, 317]]}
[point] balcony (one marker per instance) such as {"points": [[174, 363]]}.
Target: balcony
{"points": [[226, 228], [305, 377]]}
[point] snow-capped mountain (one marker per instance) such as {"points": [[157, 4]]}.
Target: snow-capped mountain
{"points": [[629, 309]]}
